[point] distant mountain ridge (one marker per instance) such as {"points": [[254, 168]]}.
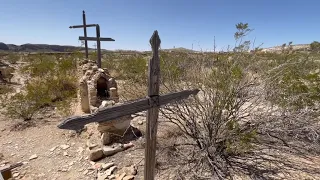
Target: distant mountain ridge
{"points": [[39, 48]]}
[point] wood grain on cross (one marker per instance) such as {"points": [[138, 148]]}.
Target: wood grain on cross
{"points": [[150, 103], [153, 113]]}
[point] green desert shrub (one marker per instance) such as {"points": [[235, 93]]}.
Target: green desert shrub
{"points": [[53, 83], [13, 57]]}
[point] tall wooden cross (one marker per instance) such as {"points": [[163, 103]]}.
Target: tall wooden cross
{"points": [[97, 38], [151, 103]]}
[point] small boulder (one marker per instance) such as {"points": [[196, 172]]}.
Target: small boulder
{"points": [[110, 170], [128, 177], [120, 177], [105, 138], [96, 154], [33, 157], [131, 170], [64, 146], [107, 165], [91, 145]]}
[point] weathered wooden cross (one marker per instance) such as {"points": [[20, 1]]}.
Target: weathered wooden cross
{"points": [[97, 38], [150, 103]]}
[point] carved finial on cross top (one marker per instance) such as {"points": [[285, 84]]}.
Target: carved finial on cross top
{"points": [[155, 40]]}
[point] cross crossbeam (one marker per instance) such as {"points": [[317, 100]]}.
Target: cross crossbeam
{"points": [[128, 108], [95, 39]]}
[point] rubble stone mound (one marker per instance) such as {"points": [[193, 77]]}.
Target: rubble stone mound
{"points": [[98, 89]]}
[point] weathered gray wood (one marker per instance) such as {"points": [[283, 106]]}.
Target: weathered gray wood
{"points": [[95, 39], [114, 112], [85, 33], [98, 39], [153, 113], [98, 46]]}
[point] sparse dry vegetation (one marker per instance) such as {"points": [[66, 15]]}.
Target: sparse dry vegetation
{"points": [[256, 115], [255, 111], [53, 81]]}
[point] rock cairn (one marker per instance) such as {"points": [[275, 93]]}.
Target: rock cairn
{"points": [[98, 89]]}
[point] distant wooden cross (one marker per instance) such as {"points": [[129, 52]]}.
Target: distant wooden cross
{"points": [[98, 39], [150, 103]]}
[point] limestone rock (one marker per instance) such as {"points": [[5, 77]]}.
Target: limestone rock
{"points": [[96, 154], [52, 149], [114, 94], [84, 96], [94, 68], [102, 176], [110, 170], [33, 157], [105, 138], [120, 177], [64, 146], [130, 177], [101, 70], [117, 126], [107, 165], [91, 145], [112, 83], [15, 175], [106, 103], [109, 151], [131, 170]]}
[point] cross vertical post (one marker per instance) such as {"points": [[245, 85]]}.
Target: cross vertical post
{"points": [[85, 33], [153, 113], [98, 46]]}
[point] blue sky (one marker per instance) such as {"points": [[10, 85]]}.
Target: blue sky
{"points": [[180, 23]]}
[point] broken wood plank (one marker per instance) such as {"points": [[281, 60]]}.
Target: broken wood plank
{"points": [[114, 112]]}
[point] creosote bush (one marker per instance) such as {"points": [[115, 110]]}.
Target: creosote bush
{"points": [[13, 57]]}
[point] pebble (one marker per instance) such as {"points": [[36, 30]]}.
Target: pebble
{"points": [[85, 172], [107, 165], [120, 177], [33, 157], [80, 150], [64, 146], [91, 145], [15, 175], [110, 170], [96, 154], [65, 153], [128, 177], [52, 149]]}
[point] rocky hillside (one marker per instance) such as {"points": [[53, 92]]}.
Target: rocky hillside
{"points": [[38, 48]]}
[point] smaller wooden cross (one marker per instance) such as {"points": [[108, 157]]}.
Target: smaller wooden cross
{"points": [[150, 103], [97, 38]]}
